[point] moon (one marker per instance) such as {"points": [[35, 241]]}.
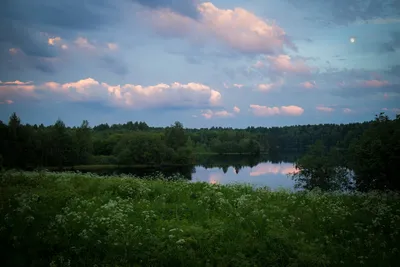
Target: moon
{"points": [[352, 40]]}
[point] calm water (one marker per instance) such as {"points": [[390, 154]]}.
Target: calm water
{"points": [[271, 172], [273, 175]]}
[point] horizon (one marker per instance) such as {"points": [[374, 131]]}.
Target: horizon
{"points": [[231, 64], [189, 128]]}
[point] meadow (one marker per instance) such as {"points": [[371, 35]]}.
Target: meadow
{"points": [[73, 219]]}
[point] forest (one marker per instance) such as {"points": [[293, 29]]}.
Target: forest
{"points": [[25, 145], [370, 149]]}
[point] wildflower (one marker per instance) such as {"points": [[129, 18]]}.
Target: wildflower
{"points": [[181, 241]]}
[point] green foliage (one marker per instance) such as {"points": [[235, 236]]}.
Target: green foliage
{"points": [[375, 155], [69, 219], [24, 146], [321, 169], [373, 158]]}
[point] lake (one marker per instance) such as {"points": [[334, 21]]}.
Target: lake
{"points": [[273, 175], [227, 169]]}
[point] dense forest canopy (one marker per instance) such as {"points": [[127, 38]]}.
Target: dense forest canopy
{"points": [[137, 143]]}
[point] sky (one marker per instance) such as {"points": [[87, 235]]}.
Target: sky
{"points": [[229, 63]]}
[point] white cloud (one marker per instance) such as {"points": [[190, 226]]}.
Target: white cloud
{"points": [[236, 109], [128, 95]]}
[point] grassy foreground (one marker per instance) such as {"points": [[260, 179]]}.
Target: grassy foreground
{"points": [[66, 219]]}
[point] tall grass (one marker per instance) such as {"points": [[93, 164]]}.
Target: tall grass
{"points": [[69, 219]]}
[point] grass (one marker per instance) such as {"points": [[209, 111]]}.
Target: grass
{"points": [[69, 219]]}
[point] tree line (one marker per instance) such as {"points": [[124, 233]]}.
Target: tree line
{"points": [[368, 148], [368, 163]]}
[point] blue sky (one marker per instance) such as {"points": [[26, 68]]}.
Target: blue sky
{"points": [[220, 63]]}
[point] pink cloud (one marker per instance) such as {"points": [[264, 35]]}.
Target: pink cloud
{"points": [[270, 111], [52, 85], [325, 109], [236, 109], [375, 83], [53, 41], [128, 95], [112, 46], [266, 87], [18, 85], [238, 85], [208, 114], [259, 64], [10, 89], [237, 28], [292, 110], [286, 64], [7, 101], [13, 51], [84, 43], [308, 85]]}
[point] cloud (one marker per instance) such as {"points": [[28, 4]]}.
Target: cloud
{"points": [[112, 46], [54, 41], [375, 83], [347, 110], [237, 28], [208, 114], [190, 95], [16, 88], [22, 22], [238, 85], [357, 88], [309, 85], [84, 43], [324, 109], [267, 87], [236, 109], [6, 102], [271, 111], [286, 64]]}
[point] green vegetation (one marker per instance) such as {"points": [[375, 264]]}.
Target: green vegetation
{"points": [[69, 219], [373, 157], [30, 146]]}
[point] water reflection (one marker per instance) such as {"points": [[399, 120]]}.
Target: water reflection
{"points": [[273, 175]]}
